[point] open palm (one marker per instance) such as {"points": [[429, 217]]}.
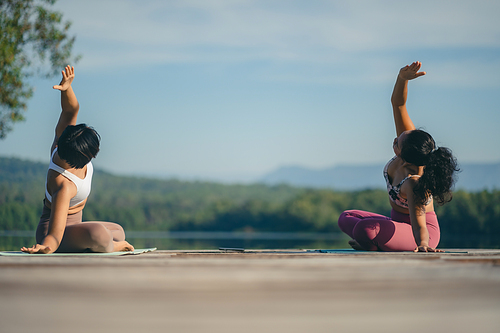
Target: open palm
{"points": [[410, 72], [68, 74]]}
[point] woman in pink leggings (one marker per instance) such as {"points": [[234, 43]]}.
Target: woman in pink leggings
{"points": [[68, 185], [419, 173]]}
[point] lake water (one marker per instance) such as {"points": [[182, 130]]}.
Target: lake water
{"points": [[194, 240]]}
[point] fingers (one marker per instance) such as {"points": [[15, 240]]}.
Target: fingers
{"points": [[416, 65], [420, 249], [37, 248], [68, 75], [68, 70], [426, 249], [430, 249], [64, 74], [410, 72], [27, 249]]}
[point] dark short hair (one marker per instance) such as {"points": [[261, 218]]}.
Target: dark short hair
{"points": [[78, 144]]}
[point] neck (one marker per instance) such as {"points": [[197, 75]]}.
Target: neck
{"points": [[62, 163], [414, 169]]}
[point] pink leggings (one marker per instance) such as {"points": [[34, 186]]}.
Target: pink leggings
{"points": [[376, 232]]}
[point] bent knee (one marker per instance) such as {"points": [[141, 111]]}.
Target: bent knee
{"points": [[100, 239], [367, 228], [348, 220], [351, 212]]}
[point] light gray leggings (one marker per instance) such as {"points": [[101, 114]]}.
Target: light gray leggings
{"points": [[91, 236]]}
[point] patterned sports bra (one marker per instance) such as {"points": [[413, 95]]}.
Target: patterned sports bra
{"points": [[395, 191]]}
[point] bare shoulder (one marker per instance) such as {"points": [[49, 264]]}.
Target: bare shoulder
{"points": [[60, 184], [408, 185], [395, 166]]}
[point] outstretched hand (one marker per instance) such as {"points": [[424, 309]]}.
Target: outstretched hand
{"points": [[426, 249], [37, 249], [410, 72], [68, 74]]}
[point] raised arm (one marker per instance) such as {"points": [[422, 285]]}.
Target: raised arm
{"points": [[69, 103], [399, 95]]}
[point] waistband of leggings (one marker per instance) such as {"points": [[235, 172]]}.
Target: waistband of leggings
{"points": [[402, 217]]}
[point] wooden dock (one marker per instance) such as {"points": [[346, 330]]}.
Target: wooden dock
{"points": [[253, 291]]}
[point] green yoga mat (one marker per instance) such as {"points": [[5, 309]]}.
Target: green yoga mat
{"points": [[136, 251]]}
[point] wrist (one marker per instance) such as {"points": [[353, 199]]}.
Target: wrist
{"points": [[402, 78]]}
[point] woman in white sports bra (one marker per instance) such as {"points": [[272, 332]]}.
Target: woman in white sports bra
{"points": [[68, 185], [418, 174]]}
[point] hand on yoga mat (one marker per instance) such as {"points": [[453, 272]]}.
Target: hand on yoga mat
{"points": [[426, 249], [37, 249]]}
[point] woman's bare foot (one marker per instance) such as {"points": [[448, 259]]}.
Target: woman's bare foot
{"points": [[122, 246], [355, 245]]}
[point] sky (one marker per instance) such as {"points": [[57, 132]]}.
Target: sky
{"points": [[229, 90]]}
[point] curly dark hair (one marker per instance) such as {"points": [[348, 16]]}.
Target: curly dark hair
{"points": [[78, 144], [439, 176]]}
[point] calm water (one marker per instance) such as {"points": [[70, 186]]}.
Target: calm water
{"points": [[13, 240]]}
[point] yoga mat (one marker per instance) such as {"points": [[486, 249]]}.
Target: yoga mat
{"points": [[20, 253], [352, 251]]}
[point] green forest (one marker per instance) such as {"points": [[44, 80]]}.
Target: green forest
{"points": [[144, 204]]}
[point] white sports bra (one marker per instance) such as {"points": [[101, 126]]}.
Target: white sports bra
{"points": [[82, 185]]}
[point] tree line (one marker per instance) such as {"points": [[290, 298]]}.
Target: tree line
{"points": [[143, 204]]}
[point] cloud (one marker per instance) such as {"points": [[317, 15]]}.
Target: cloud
{"points": [[341, 25], [326, 36]]}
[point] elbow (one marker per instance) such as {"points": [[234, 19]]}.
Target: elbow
{"points": [[397, 102], [76, 108]]}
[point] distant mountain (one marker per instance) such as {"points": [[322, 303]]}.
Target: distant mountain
{"points": [[472, 177], [475, 177], [345, 177]]}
